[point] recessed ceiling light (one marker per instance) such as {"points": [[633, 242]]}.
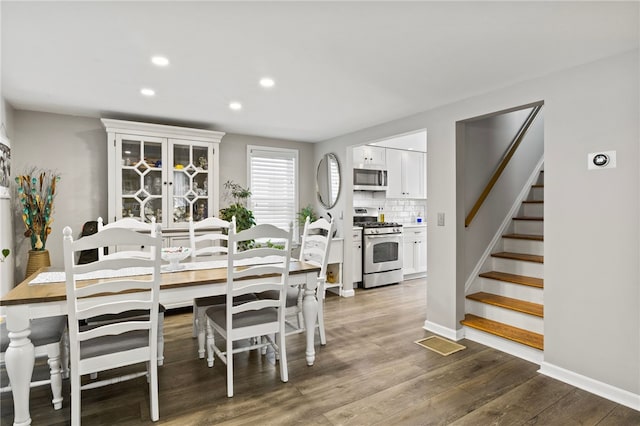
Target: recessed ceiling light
{"points": [[267, 82], [160, 61], [148, 92], [236, 106]]}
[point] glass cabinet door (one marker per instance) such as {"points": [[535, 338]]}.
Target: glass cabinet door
{"points": [[189, 189], [141, 178]]}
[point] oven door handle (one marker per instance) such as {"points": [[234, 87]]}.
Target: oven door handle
{"points": [[383, 236]]}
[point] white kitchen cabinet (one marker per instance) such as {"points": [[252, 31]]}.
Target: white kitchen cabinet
{"points": [[164, 171], [357, 257], [414, 251], [369, 156], [407, 174]]}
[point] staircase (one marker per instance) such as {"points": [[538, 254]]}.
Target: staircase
{"points": [[507, 300]]}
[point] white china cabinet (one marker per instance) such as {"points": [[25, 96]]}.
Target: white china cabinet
{"points": [[166, 172]]}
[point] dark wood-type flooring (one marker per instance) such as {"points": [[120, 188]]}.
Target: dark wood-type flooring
{"points": [[370, 372]]}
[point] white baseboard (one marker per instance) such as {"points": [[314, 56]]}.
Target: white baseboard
{"points": [[604, 390], [516, 349], [348, 293], [443, 331]]}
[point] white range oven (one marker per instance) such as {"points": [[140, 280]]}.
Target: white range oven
{"points": [[381, 249]]}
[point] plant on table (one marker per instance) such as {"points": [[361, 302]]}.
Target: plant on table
{"points": [[36, 192], [305, 212]]}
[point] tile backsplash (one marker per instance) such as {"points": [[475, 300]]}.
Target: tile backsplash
{"points": [[395, 210]]}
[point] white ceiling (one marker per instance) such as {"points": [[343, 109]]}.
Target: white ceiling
{"points": [[338, 66], [414, 141]]}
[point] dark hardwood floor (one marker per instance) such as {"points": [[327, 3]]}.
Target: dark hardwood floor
{"points": [[370, 372]]}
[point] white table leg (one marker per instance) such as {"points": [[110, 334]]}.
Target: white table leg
{"points": [[19, 359], [310, 313]]}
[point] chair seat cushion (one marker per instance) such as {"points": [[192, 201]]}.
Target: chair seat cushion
{"points": [[218, 314], [222, 299], [43, 331], [110, 344], [122, 315], [292, 296]]}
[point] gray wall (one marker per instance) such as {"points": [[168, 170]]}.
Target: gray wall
{"points": [[7, 266], [486, 141], [480, 159], [233, 163], [77, 148], [591, 278]]}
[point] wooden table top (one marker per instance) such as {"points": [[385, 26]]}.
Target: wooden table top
{"points": [[56, 291]]}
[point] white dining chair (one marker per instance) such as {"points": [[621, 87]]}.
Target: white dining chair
{"points": [[208, 239], [139, 225], [48, 336], [132, 284], [314, 249], [255, 270]]}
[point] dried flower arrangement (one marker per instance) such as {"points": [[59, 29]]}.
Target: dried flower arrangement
{"points": [[36, 192]]}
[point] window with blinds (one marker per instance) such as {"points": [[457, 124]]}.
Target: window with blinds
{"points": [[273, 182]]}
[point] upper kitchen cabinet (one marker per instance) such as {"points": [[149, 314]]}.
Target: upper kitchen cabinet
{"points": [[164, 171], [369, 156], [407, 174]]}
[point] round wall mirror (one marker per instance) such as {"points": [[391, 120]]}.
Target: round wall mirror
{"points": [[328, 180]]}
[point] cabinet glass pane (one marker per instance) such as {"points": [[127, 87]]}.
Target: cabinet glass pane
{"points": [[189, 190], [141, 179]]}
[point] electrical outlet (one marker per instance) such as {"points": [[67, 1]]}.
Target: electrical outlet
{"points": [[440, 219]]}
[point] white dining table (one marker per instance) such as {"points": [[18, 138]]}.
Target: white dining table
{"points": [[40, 296]]}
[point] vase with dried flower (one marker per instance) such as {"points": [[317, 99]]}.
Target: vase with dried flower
{"points": [[36, 192]]}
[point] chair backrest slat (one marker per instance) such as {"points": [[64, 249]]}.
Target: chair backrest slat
{"points": [[113, 286], [113, 329], [89, 309], [127, 223]]}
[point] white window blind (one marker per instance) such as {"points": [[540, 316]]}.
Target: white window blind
{"points": [[273, 182]]}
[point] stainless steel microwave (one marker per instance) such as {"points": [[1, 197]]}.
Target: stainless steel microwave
{"points": [[370, 180]]}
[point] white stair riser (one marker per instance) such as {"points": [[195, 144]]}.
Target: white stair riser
{"points": [[523, 246], [535, 227], [536, 194], [515, 291], [533, 209], [506, 316], [518, 267]]}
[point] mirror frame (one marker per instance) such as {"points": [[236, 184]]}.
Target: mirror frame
{"points": [[328, 204]]}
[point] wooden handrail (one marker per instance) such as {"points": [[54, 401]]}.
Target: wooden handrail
{"points": [[503, 164]]}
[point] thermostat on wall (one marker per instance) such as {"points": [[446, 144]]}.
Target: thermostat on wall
{"points": [[601, 160]]}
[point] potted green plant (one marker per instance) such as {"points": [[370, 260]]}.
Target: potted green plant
{"points": [[238, 196], [36, 192], [305, 212]]}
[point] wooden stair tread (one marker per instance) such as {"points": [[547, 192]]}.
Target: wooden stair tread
{"points": [[533, 202], [517, 305], [532, 237], [506, 331], [539, 185], [515, 279], [519, 256], [536, 218]]}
